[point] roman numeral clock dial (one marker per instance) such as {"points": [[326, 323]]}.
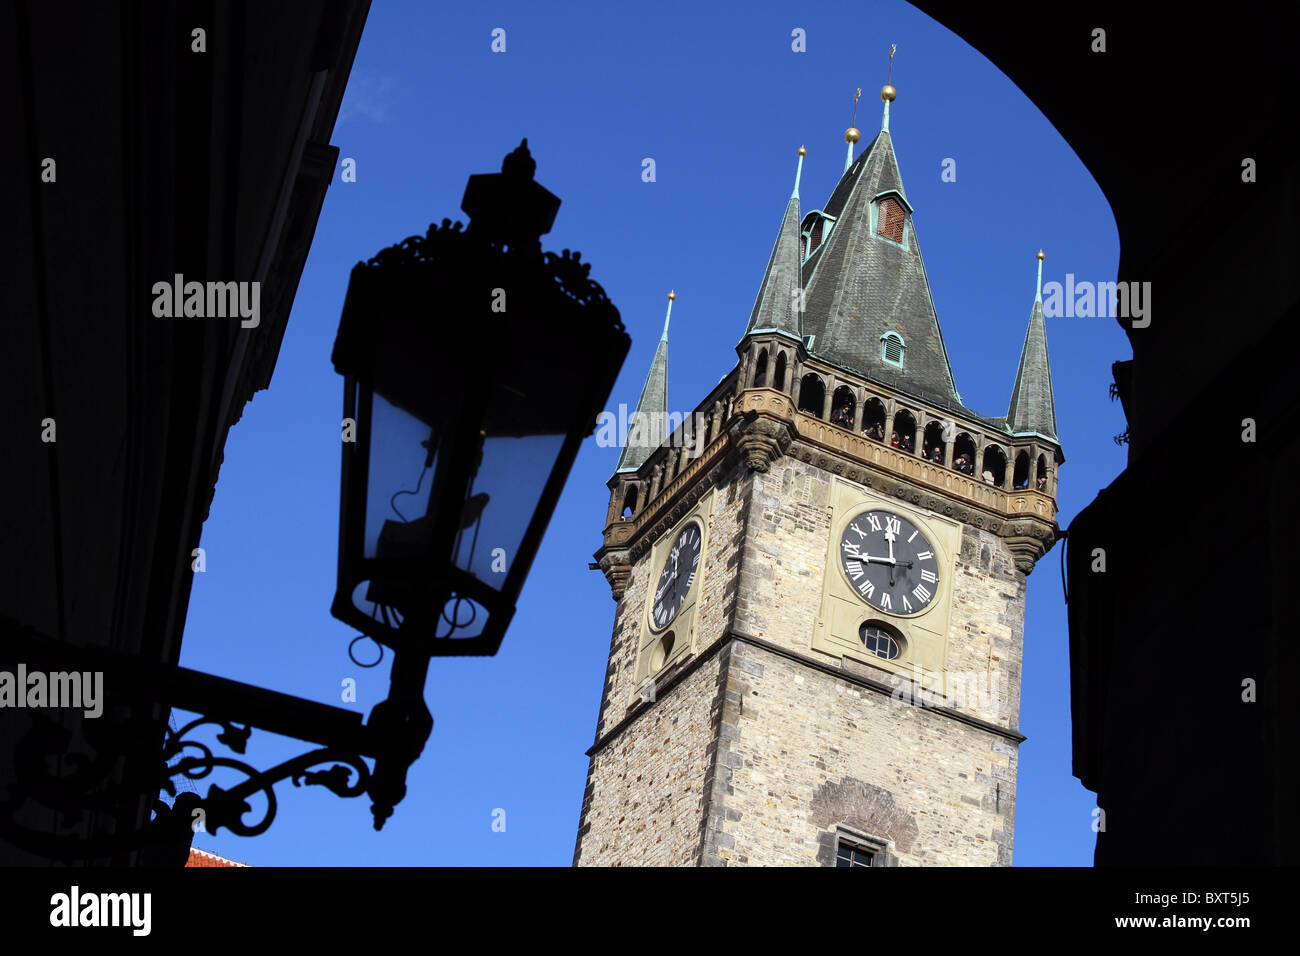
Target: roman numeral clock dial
{"points": [[889, 562], [678, 574]]}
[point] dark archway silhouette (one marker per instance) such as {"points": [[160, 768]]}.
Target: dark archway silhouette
{"points": [[812, 395], [873, 419], [963, 454], [904, 433], [843, 407], [933, 446], [994, 467], [1020, 478]]}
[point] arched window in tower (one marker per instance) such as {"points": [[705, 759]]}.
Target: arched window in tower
{"points": [[873, 419], [629, 502], [1040, 475], [1020, 478], [889, 219], [892, 348], [760, 370], [778, 376], [843, 406], [812, 394], [934, 447], [963, 454], [994, 467], [904, 434]]}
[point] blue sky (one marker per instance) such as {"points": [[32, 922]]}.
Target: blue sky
{"points": [[721, 103]]}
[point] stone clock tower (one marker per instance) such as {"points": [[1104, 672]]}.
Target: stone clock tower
{"points": [[820, 576]]}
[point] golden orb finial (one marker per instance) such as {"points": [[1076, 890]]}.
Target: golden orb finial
{"points": [[852, 135], [888, 93], [802, 151], [671, 295], [1041, 257]]}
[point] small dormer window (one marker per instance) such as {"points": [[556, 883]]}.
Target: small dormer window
{"points": [[890, 219], [892, 348], [815, 230]]}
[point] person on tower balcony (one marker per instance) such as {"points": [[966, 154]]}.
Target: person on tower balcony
{"points": [[843, 416], [893, 440], [1042, 482]]}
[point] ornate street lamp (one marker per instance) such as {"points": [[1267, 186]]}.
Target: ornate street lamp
{"points": [[474, 365]]}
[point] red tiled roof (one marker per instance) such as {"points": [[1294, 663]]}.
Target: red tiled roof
{"points": [[203, 858]]}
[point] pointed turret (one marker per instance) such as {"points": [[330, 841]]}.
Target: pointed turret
{"points": [[1033, 410], [868, 303], [646, 427], [777, 305]]}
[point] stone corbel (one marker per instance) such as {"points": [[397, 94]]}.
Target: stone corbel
{"points": [[760, 440], [1028, 540], [617, 568], [763, 427]]}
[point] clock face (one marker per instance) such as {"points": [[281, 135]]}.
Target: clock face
{"points": [[889, 562], [677, 576]]}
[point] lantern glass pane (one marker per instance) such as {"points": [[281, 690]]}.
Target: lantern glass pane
{"points": [[502, 500], [400, 479]]}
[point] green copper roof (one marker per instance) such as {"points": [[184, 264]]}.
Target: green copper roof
{"points": [[1032, 407], [776, 305], [861, 285], [652, 408]]}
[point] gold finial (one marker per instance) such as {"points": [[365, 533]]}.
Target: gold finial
{"points": [[1041, 257], [802, 151], [851, 135], [671, 295], [887, 92]]}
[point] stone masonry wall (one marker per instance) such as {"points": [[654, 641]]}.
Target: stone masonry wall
{"points": [[755, 756], [667, 746], [645, 798], [803, 751]]}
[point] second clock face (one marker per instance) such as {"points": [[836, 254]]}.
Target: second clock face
{"points": [[889, 562], [677, 576]]}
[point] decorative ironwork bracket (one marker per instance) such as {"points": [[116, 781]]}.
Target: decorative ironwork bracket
{"points": [[54, 772]]}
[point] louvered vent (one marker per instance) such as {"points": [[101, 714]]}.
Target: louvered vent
{"points": [[890, 224], [891, 349]]}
